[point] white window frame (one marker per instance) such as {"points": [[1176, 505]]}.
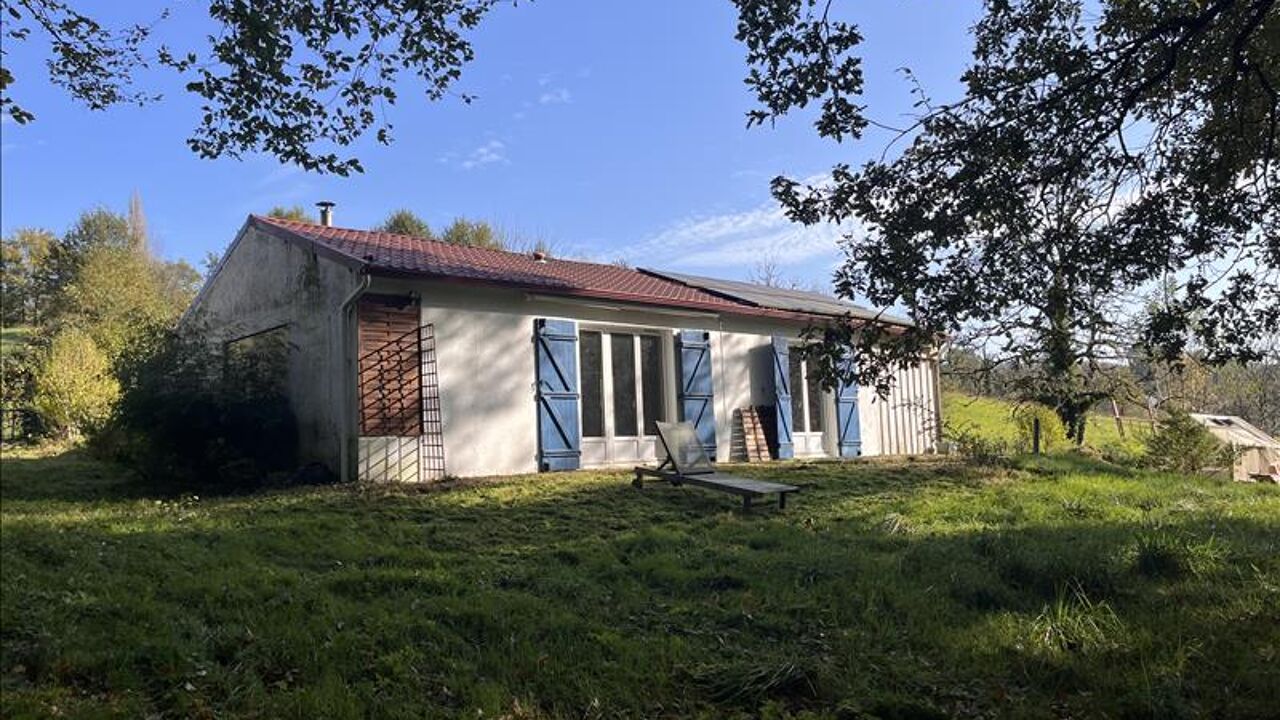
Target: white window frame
{"points": [[613, 449], [805, 441]]}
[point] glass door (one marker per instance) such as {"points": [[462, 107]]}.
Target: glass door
{"points": [[623, 385], [812, 409]]}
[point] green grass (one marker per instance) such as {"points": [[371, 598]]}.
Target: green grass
{"points": [[13, 337], [1058, 587], [990, 418]]}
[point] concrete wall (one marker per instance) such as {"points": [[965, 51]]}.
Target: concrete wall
{"points": [[485, 360], [265, 282]]}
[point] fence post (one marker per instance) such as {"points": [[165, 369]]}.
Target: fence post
{"points": [[1035, 435]]}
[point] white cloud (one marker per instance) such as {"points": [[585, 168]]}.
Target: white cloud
{"points": [[277, 176], [556, 96], [738, 239], [491, 152]]}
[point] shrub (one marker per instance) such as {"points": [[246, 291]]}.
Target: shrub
{"points": [[974, 447], [74, 387], [19, 421], [1180, 444], [1053, 435], [195, 418]]}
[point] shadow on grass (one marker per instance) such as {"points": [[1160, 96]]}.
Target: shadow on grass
{"points": [[68, 476], [577, 595]]}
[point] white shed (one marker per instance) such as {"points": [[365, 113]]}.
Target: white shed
{"points": [[1257, 453]]}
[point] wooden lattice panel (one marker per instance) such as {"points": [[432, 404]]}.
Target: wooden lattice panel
{"points": [[390, 373]]}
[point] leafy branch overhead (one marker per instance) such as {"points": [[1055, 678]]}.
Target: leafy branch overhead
{"points": [[298, 79], [1087, 158]]}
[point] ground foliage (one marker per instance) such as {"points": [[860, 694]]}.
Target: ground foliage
{"points": [[204, 419], [1048, 588]]}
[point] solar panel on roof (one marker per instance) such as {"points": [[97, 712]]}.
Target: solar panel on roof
{"points": [[777, 298]]}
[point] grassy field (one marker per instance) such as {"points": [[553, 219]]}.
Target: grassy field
{"points": [[990, 418], [13, 337], [893, 589]]}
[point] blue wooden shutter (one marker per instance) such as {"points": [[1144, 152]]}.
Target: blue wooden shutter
{"points": [[782, 396], [847, 416], [556, 353], [694, 350]]}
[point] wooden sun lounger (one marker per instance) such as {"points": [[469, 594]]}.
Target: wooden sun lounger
{"points": [[697, 469]]}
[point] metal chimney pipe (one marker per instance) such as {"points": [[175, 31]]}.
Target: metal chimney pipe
{"points": [[326, 212]]}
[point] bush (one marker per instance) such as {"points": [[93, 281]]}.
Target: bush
{"points": [[18, 419], [975, 447], [74, 386], [1053, 435], [1180, 444], [216, 421]]}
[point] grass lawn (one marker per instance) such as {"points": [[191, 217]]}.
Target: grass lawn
{"points": [[990, 417], [895, 589]]}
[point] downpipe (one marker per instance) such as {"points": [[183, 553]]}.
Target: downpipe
{"points": [[350, 383]]}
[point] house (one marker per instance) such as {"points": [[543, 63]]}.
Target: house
{"points": [[411, 359], [1256, 454]]}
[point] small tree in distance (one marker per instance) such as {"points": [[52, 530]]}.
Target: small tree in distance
{"points": [[296, 213], [406, 222]]}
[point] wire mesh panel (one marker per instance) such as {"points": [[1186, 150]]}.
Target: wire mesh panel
{"points": [[401, 437]]}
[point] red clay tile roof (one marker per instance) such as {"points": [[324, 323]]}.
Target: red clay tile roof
{"points": [[402, 254]]}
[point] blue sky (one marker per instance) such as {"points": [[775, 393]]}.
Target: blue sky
{"points": [[613, 130]]}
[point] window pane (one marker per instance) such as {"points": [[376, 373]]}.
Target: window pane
{"points": [[591, 361], [815, 401], [651, 381], [623, 347], [797, 392]]}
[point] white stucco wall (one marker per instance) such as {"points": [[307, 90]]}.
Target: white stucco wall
{"points": [[485, 357], [485, 360], [265, 282]]}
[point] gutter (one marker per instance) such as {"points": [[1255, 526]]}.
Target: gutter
{"points": [[637, 307], [346, 321]]}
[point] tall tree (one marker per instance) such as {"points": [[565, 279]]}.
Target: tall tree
{"points": [[138, 222], [405, 222], [97, 228], [22, 254], [119, 295], [1165, 114]]}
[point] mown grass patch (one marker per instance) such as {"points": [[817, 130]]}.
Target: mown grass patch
{"points": [[922, 588]]}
